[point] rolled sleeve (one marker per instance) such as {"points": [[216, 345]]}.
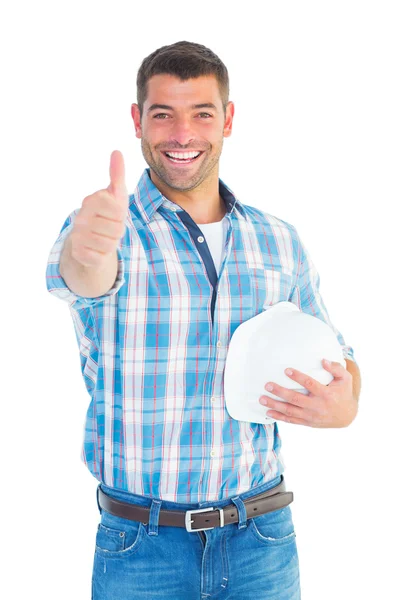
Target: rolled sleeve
{"points": [[307, 297], [57, 286]]}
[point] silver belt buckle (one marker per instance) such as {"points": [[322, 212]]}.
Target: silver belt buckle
{"points": [[189, 513]]}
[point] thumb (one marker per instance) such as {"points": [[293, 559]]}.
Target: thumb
{"points": [[335, 368], [117, 185]]}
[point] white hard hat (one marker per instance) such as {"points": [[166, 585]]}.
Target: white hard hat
{"points": [[264, 346]]}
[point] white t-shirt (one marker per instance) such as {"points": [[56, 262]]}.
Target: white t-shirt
{"points": [[215, 235]]}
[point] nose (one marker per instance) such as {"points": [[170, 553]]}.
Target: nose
{"points": [[181, 131]]}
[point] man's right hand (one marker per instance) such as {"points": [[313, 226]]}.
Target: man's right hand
{"points": [[100, 223]]}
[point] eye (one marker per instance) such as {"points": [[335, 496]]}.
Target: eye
{"points": [[165, 115]]}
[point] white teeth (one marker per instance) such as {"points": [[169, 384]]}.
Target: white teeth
{"points": [[182, 154]]}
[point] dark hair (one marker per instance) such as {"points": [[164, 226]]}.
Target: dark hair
{"points": [[184, 60]]}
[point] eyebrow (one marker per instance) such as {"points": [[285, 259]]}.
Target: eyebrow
{"points": [[194, 106]]}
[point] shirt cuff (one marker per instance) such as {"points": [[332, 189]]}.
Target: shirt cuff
{"points": [[58, 287]]}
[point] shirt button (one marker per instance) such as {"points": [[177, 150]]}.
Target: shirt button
{"points": [[219, 344], [213, 398], [212, 453], [200, 239], [173, 208]]}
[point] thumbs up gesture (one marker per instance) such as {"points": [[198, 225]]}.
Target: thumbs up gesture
{"points": [[100, 223]]}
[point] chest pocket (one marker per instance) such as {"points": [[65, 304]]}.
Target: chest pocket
{"points": [[270, 286]]}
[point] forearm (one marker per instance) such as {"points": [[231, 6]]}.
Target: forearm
{"points": [[89, 282], [355, 372]]}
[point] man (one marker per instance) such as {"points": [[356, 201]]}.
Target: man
{"points": [[157, 282]]}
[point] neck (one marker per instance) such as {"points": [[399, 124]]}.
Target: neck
{"points": [[203, 203]]}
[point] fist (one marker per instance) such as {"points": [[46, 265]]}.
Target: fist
{"points": [[100, 223]]}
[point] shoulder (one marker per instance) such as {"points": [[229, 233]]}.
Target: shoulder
{"points": [[262, 218]]}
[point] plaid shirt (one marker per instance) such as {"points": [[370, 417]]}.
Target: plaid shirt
{"points": [[153, 348]]}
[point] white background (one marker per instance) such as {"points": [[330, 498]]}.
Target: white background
{"points": [[315, 142]]}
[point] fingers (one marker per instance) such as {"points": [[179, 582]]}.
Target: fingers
{"points": [[101, 222]]}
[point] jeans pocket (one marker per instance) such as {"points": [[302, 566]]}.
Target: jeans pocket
{"points": [[118, 537], [274, 528]]}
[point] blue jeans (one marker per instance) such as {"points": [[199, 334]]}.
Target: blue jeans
{"points": [[251, 559]]}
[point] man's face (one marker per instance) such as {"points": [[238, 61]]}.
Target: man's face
{"points": [[182, 127]]}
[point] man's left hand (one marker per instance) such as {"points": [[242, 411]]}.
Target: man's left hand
{"points": [[332, 405]]}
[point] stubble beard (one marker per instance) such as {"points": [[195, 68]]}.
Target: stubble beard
{"points": [[180, 182]]}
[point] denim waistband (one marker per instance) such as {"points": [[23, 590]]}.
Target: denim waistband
{"points": [[168, 505]]}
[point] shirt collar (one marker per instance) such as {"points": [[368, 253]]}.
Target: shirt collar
{"points": [[148, 198]]}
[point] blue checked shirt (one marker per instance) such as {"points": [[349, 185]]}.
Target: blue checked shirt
{"points": [[153, 348]]}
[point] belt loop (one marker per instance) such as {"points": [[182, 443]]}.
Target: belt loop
{"points": [[154, 516], [97, 498], [242, 514]]}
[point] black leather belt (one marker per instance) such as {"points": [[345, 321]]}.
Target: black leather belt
{"points": [[203, 518]]}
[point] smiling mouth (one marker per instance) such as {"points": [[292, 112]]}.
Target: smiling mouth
{"points": [[181, 161]]}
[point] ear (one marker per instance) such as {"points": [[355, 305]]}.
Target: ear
{"points": [[230, 111], [136, 120]]}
